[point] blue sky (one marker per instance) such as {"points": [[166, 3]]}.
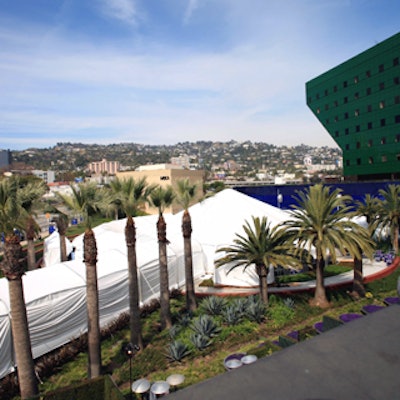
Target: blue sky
{"points": [[168, 71]]}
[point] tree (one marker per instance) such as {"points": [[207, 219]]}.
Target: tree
{"points": [[320, 222], [28, 195], [260, 246], [129, 196], [185, 194], [389, 213], [12, 216], [86, 199], [366, 208], [61, 221], [161, 198]]}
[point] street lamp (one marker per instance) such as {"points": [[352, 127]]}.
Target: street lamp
{"points": [[130, 352]]}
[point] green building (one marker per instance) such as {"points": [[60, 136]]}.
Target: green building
{"points": [[358, 103]]}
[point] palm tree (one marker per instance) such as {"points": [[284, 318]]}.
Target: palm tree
{"points": [[261, 246], [12, 215], [161, 198], [29, 196], [86, 200], [389, 213], [61, 221], [366, 208], [185, 194], [129, 195], [320, 221]]}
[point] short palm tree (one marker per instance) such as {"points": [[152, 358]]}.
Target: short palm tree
{"points": [[320, 222], [367, 208], [161, 198], [129, 196], [186, 192], [29, 196], [389, 213], [260, 246], [12, 216], [86, 199]]}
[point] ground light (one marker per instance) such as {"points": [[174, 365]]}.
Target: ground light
{"points": [[129, 350]]}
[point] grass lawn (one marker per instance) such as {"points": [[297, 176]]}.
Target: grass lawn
{"points": [[247, 336]]}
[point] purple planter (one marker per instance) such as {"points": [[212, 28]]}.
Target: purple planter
{"points": [[349, 317], [370, 308], [294, 335], [392, 300], [319, 326]]}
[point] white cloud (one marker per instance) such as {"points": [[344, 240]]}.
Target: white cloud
{"points": [[123, 10], [190, 9]]}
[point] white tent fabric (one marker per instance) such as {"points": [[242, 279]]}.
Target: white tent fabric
{"points": [[55, 296], [51, 249]]}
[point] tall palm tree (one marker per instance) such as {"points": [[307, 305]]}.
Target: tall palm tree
{"points": [[161, 198], [320, 221], [186, 192], [12, 215], [260, 246], [29, 196], [389, 213], [61, 221], [366, 208], [129, 196], [86, 200]]}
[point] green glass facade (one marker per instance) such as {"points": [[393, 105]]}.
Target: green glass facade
{"points": [[358, 103]]}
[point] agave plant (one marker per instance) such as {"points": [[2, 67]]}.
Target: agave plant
{"points": [[256, 310], [289, 302], [213, 305], [174, 331], [205, 325], [200, 341], [232, 315], [177, 350], [240, 304], [185, 319]]}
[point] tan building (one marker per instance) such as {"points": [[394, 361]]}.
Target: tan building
{"points": [[164, 175], [104, 166]]}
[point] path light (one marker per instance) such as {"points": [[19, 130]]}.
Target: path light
{"points": [[129, 350], [141, 386], [175, 380], [249, 359], [159, 388]]}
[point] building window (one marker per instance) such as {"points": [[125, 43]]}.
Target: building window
{"points": [[358, 161], [358, 145], [369, 125], [356, 79], [397, 119], [346, 115], [347, 163], [397, 138], [398, 157], [382, 86], [371, 160], [164, 178], [396, 80], [384, 158], [369, 91], [347, 146], [326, 107], [336, 103], [381, 104], [327, 121], [346, 131], [326, 92], [345, 84], [395, 61], [383, 122], [369, 108], [368, 73], [381, 68], [318, 110], [356, 95], [397, 100], [357, 128], [336, 118], [357, 112], [370, 142], [345, 100], [335, 88], [336, 133], [383, 140], [317, 96]]}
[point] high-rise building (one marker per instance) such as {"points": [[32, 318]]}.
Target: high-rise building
{"points": [[104, 166], [5, 159], [358, 103]]}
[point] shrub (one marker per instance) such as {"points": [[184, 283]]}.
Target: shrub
{"points": [[240, 305], [288, 302], [177, 351], [205, 325], [256, 310], [200, 341], [213, 305], [280, 315], [232, 315]]}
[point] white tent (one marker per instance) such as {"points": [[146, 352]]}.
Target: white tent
{"points": [[51, 249], [55, 296]]}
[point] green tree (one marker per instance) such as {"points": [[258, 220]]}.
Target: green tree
{"points": [[161, 198], [12, 216], [260, 246], [321, 221], [29, 196], [389, 213], [186, 192], [366, 208], [87, 199], [129, 196]]}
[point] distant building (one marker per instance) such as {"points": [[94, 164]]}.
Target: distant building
{"points": [[164, 175], [182, 160], [5, 159], [47, 176], [104, 166], [358, 103]]}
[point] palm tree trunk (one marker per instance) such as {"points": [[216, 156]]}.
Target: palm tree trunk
{"points": [[187, 244], [13, 271], [134, 310], [30, 236], [166, 321], [358, 285], [262, 277], [62, 226], [320, 299], [92, 305]]}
